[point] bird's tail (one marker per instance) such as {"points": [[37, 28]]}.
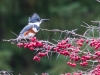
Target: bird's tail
{"points": [[13, 41]]}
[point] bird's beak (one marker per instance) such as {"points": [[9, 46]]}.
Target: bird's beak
{"points": [[44, 19]]}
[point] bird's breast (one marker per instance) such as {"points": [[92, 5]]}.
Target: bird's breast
{"points": [[30, 32]]}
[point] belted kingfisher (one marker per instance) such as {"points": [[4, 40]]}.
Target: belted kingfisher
{"points": [[32, 28]]}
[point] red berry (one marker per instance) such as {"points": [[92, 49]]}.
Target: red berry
{"points": [[87, 41], [68, 63], [36, 58], [79, 43], [67, 74], [30, 45], [33, 39], [74, 65], [39, 43], [42, 54], [63, 42], [31, 48], [20, 45]]}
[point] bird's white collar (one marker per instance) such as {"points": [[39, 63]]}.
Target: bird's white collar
{"points": [[37, 23]]}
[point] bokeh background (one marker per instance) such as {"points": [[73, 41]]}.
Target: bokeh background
{"points": [[63, 14]]}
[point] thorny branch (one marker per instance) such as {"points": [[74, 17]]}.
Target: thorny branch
{"points": [[6, 72], [74, 43], [64, 31], [73, 32]]}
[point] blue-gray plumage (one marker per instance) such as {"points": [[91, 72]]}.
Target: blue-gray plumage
{"points": [[26, 28], [34, 18]]}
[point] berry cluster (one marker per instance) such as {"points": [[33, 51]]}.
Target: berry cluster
{"points": [[34, 44], [96, 70], [65, 48], [74, 49]]}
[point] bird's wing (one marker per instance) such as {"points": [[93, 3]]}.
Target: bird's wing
{"points": [[26, 28]]}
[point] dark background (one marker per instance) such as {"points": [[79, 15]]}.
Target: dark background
{"points": [[63, 14]]}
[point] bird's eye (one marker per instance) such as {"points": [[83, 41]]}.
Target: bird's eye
{"points": [[38, 19]]}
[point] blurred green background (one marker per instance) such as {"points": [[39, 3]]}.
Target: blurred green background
{"points": [[63, 14]]}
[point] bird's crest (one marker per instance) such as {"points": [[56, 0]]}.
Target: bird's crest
{"points": [[34, 18]]}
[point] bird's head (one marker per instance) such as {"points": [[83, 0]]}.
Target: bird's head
{"points": [[35, 18]]}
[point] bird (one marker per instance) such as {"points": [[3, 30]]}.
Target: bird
{"points": [[32, 28]]}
